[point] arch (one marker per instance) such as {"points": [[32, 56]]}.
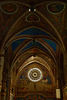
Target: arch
{"points": [[38, 60]]}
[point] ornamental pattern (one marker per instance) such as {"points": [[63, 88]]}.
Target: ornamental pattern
{"points": [[35, 74]]}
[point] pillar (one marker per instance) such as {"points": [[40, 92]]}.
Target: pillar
{"points": [[8, 84], [58, 92], [6, 80], [3, 90], [61, 80]]}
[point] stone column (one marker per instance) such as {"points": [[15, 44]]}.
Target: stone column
{"points": [[3, 90], [61, 80], [58, 93], [7, 75], [8, 84]]}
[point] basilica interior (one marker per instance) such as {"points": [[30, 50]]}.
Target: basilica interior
{"points": [[33, 50]]}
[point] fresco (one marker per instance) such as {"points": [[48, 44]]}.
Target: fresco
{"points": [[9, 8], [35, 96], [25, 85], [56, 7]]}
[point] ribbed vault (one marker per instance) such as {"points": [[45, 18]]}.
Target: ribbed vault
{"points": [[33, 35]]}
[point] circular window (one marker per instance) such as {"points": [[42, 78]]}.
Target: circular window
{"points": [[35, 74]]}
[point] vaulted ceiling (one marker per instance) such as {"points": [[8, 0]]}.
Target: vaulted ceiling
{"points": [[36, 37]]}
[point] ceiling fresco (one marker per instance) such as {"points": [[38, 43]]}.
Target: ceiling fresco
{"points": [[13, 10], [56, 7], [33, 31], [9, 8], [55, 11], [16, 43], [51, 43], [31, 44], [9, 15]]}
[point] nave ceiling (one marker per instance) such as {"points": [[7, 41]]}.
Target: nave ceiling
{"points": [[33, 38]]}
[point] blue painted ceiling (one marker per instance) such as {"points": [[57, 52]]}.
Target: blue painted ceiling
{"points": [[33, 31], [16, 43], [52, 44], [31, 44]]}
